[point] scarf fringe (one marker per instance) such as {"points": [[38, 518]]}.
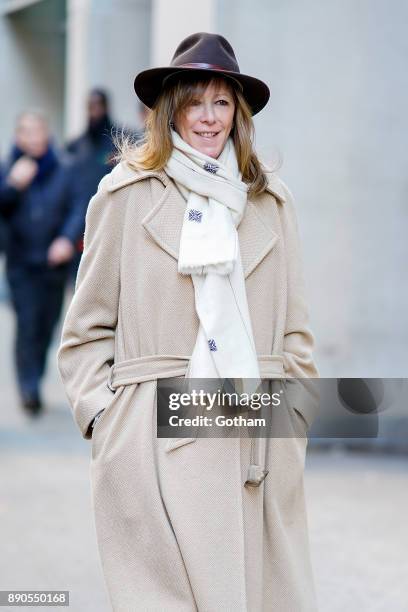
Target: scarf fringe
{"points": [[223, 268]]}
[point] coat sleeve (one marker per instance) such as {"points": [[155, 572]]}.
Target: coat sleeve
{"points": [[87, 346], [73, 225], [9, 197], [298, 342]]}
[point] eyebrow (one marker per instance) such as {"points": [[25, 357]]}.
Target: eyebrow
{"points": [[218, 93]]}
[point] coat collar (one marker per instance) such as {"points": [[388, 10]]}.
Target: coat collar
{"points": [[164, 221]]}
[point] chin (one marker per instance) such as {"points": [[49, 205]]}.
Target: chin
{"points": [[213, 154], [210, 151]]}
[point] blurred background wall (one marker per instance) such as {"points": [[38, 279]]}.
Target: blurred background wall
{"points": [[338, 79], [32, 68]]}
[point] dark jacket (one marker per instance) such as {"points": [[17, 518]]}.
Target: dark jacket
{"points": [[2, 222], [92, 154], [53, 205]]}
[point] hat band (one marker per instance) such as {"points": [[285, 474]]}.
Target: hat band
{"points": [[203, 66]]}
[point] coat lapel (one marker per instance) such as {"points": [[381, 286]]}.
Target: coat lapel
{"points": [[164, 222], [255, 239]]}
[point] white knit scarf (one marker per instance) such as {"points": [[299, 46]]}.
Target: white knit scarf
{"points": [[209, 251]]}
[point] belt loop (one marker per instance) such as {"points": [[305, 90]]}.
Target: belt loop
{"points": [[109, 382]]}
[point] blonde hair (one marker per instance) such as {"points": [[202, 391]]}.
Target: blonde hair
{"points": [[154, 150]]}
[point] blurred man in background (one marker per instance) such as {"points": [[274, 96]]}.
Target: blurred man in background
{"points": [[92, 154], [44, 213], [3, 284], [94, 149]]}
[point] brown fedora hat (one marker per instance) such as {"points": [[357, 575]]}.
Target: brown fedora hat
{"points": [[202, 53]]}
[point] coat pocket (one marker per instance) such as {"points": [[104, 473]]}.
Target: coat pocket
{"points": [[105, 413], [302, 427], [302, 397], [173, 443]]}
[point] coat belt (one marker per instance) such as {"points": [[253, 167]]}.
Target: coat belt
{"points": [[153, 367]]}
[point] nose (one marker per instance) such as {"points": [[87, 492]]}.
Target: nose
{"points": [[208, 113]]}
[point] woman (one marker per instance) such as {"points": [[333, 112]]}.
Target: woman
{"points": [[191, 268]]}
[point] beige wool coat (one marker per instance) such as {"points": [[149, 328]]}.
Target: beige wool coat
{"points": [[177, 530]]}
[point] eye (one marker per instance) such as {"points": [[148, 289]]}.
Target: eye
{"points": [[195, 102], [222, 102]]}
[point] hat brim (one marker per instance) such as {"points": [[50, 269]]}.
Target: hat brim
{"points": [[148, 85]]}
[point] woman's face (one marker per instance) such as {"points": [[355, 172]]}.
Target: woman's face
{"points": [[206, 123]]}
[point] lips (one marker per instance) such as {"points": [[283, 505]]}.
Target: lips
{"points": [[207, 135]]}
